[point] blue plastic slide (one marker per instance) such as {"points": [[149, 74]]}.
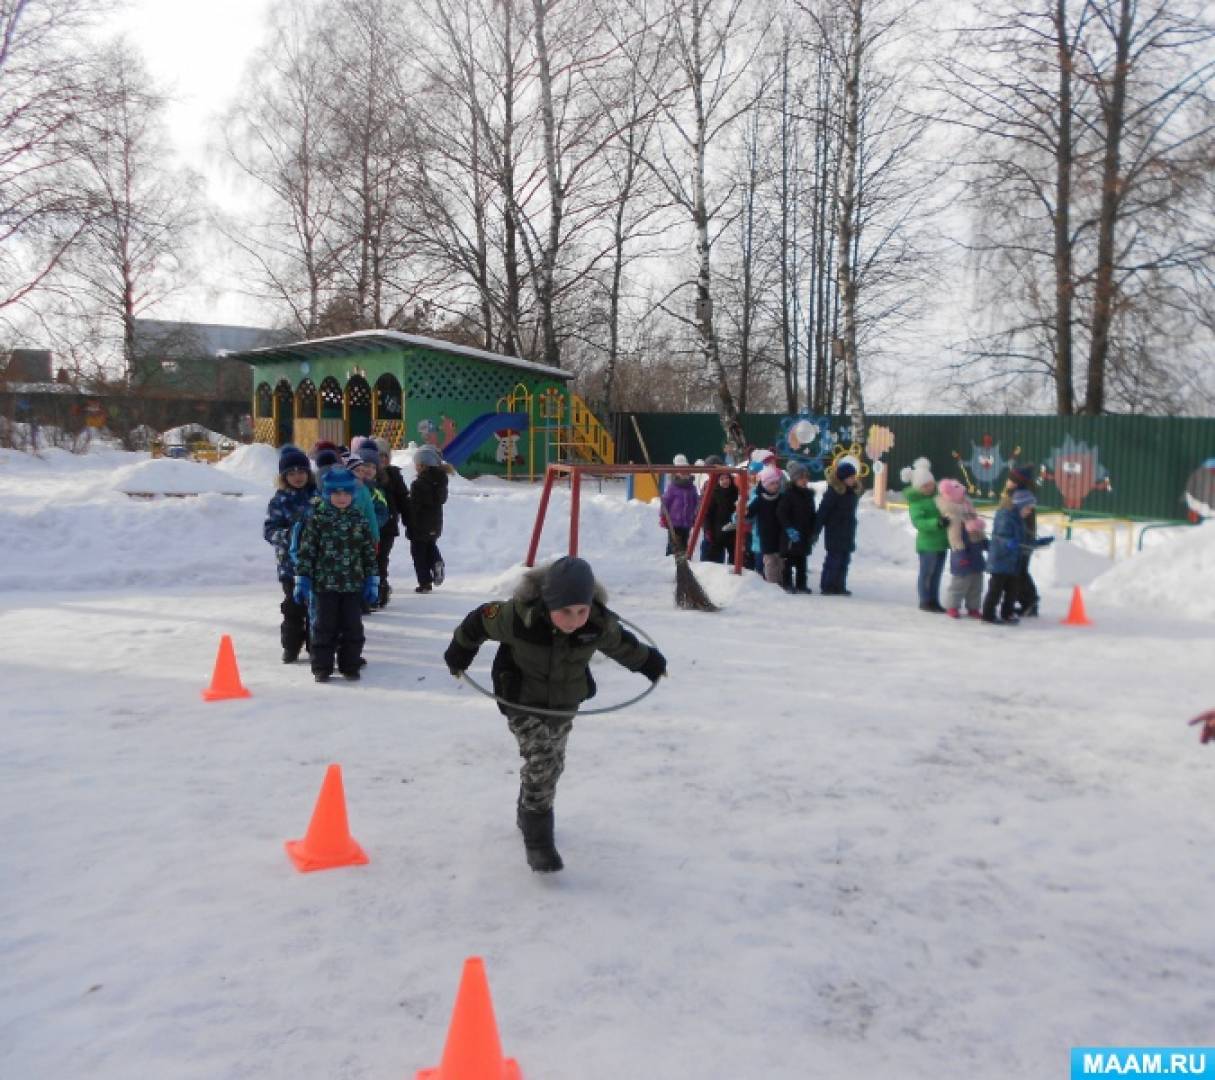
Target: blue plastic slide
{"points": [[464, 445]]}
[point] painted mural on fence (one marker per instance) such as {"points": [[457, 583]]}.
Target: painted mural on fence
{"points": [[812, 441], [1200, 491], [982, 469], [1075, 469]]}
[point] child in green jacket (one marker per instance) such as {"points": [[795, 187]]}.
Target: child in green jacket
{"points": [[547, 633], [931, 535]]}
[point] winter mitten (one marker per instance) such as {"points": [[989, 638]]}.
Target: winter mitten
{"points": [[371, 590], [1207, 720], [655, 666], [457, 658], [1044, 541], [303, 590], [794, 536]]}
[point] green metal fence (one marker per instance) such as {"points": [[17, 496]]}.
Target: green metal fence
{"points": [[1124, 466]]}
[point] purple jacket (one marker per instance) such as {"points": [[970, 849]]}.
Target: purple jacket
{"points": [[679, 503]]}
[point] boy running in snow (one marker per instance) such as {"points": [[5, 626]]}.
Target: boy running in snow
{"points": [[336, 567], [547, 633]]}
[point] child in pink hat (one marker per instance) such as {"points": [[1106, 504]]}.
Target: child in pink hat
{"points": [[967, 542]]}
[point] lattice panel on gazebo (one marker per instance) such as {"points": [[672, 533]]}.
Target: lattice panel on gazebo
{"points": [[263, 430], [444, 378], [392, 430], [359, 393]]}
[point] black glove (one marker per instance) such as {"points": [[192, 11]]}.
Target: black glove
{"points": [[457, 658], [655, 666], [943, 522]]}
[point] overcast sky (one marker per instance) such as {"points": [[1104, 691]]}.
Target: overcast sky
{"points": [[198, 52]]}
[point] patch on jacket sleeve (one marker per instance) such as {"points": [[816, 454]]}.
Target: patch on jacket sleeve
{"points": [[490, 611]]}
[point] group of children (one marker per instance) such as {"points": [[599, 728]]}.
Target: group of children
{"points": [[333, 521], [947, 525], [781, 519]]}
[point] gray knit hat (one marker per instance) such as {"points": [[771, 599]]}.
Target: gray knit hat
{"points": [[427, 455], [796, 470], [567, 582]]}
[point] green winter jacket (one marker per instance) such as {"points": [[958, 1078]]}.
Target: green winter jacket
{"points": [[930, 534], [538, 665], [336, 550]]}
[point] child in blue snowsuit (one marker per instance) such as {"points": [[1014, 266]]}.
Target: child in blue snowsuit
{"points": [[289, 504], [1010, 539]]}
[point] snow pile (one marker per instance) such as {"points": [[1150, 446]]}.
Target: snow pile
{"points": [[173, 476], [257, 463], [1176, 578]]}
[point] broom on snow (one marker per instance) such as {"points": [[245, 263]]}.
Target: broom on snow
{"points": [[689, 593]]}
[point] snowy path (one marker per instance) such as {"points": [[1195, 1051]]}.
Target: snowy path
{"points": [[844, 839]]}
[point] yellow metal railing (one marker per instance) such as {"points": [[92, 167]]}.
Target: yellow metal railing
{"points": [[587, 437]]}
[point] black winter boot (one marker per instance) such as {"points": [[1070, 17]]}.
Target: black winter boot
{"points": [[538, 841]]}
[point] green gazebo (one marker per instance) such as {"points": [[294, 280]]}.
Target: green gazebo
{"points": [[487, 412]]}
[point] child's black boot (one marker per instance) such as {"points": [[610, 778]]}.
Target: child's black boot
{"points": [[537, 829]]}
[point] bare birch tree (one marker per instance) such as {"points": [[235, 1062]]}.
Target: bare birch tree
{"points": [[131, 255], [280, 138], [43, 91]]}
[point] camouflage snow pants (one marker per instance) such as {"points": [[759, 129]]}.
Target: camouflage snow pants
{"points": [[542, 746]]}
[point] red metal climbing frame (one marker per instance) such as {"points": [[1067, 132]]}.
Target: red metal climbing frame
{"points": [[577, 472]]}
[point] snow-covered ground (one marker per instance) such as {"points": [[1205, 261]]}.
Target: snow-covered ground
{"points": [[843, 839]]}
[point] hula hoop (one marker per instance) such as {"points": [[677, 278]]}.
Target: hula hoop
{"points": [[566, 712]]}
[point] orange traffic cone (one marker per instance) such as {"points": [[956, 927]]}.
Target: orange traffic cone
{"points": [[473, 1051], [1076, 615], [225, 681], [328, 843]]}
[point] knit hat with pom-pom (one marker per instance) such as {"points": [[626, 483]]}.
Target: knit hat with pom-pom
{"points": [[919, 473]]}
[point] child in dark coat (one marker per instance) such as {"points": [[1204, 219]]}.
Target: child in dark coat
{"points": [[767, 532], [1010, 540], [836, 521], [336, 566], [396, 491], [548, 632], [720, 522], [427, 494], [1020, 486], [289, 504], [796, 513]]}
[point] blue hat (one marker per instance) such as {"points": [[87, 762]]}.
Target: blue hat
{"points": [[845, 469], [338, 480], [292, 457], [368, 455], [327, 459]]}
